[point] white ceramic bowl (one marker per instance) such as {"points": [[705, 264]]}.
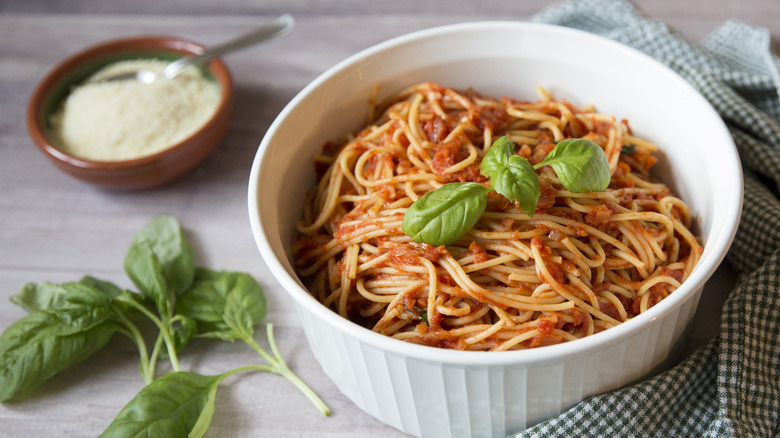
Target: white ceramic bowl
{"points": [[432, 392]]}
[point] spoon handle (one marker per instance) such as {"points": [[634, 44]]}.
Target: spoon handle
{"points": [[279, 26]]}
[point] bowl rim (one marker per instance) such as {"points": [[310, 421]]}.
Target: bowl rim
{"points": [[704, 270], [102, 50]]}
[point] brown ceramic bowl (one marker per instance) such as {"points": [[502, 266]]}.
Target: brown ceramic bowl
{"points": [[139, 173]]}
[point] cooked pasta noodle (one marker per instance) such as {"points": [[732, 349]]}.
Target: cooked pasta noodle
{"points": [[583, 263]]}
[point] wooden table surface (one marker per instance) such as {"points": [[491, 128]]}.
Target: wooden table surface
{"points": [[54, 228]]}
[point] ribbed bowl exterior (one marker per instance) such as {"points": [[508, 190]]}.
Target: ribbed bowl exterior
{"points": [[433, 399]]}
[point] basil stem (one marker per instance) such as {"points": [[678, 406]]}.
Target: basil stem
{"points": [[162, 325], [227, 306], [132, 332], [277, 365]]}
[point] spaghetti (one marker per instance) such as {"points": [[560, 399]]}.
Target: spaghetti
{"points": [[583, 263]]}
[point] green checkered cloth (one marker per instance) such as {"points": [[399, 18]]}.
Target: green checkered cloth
{"points": [[731, 386]]}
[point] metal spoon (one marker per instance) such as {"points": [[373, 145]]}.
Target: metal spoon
{"points": [[278, 27]]}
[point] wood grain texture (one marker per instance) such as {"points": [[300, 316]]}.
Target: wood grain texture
{"points": [[53, 228]]}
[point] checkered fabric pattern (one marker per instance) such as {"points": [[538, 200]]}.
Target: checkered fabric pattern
{"points": [[731, 386]]}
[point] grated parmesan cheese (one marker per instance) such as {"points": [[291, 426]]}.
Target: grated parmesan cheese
{"points": [[113, 121]]}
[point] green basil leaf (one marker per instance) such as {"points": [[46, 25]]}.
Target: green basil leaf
{"points": [[160, 262], [40, 345], [580, 164], [441, 216], [166, 239], [226, 305], [78, 305], [178, 404], [242, 310], [40, 296], [628, 149], [106, 287], [518, 182], [497, 157], [205, 304], [145, 270]]}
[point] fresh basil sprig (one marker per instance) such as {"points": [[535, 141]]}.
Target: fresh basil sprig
{"points": [[69, 322], [443, 215]]}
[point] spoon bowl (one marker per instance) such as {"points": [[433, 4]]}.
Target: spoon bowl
{"points": [[275, 28]]}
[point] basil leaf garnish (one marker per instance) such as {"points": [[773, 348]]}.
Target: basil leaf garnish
{"points": [[517, 181], [511, 175], [441, 216], [497, 157], [580, 164]]}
